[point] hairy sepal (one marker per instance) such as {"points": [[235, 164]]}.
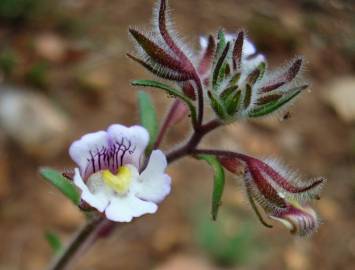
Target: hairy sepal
{"points": [[157, 54]]}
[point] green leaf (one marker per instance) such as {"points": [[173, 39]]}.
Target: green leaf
{"points": [[54, 242], [61, 183], [170, 91], [218, 185], [274, 105], [234, 80], [232, 103], [216, 105], [262, 68], [247, 97], [219, 69], [148, 117], [221, 43]]}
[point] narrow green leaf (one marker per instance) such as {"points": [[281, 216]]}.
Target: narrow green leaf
{"points": [[232, 103], [216, 105], [228, 91], [61, 183], [273, 105], [148, 117], [219, 69], [234, 80], [54, 242], [262, 68], [221, 43], [218, 185], [170, 91], [247, 97]]}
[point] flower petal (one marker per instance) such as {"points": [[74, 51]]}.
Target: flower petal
{"points": [[203, 42], [124, 209], [135, 138], [99, 200], [85, 150], [153, 184], [248, 47], [301, 220]]}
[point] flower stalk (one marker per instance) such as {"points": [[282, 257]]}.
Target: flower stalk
{"points": [[81, 238]]}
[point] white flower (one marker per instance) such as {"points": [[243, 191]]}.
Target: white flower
{"points": [[250, 58], [110, 176]]}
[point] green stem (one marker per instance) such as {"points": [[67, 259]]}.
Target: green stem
{"points": [[87, 231]]}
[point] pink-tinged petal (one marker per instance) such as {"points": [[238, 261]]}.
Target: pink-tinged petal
{"points": [[124, 209], [132, 140], [153, 184], [96, 199], [86, 152], [300, 220]]}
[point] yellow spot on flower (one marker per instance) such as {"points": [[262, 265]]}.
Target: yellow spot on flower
{"points": [[119, 182]]}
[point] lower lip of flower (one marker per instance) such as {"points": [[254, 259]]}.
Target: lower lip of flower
{"points": [[119, 182]]}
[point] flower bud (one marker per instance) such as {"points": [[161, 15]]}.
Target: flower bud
{"points": [[279, 192]]}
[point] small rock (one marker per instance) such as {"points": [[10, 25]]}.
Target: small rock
{"points": [[51, 47], [341, 96], [32, 121]]}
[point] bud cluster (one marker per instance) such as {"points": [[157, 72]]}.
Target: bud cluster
{"points": [[238, 83]]}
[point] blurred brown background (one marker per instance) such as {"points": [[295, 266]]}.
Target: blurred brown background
{"points": [[63, 73]]}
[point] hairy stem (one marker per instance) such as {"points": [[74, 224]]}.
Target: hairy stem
{"points": [[167, 122], [81, 238], [194, 140]]}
